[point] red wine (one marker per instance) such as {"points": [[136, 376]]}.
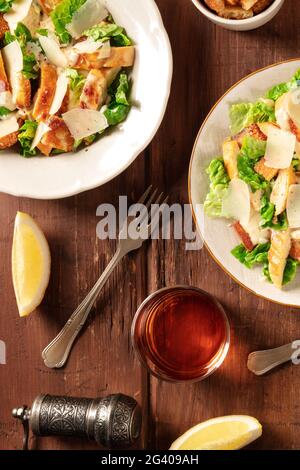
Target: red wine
{"points": [[181, 333]]}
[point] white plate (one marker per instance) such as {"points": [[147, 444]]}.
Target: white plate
{"points": [[219, 238], [65, 175]]}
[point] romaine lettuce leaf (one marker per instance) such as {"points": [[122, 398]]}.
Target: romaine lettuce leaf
{"points": [[267, 214], [76, 82], [119, 106], [25, 137], [5, 5], [243, 114], [109, 31], [4, 111], [289, 274], [62, 15], [259, 255], [252, 150], [23, 36], [219, 181], [278, 90]]}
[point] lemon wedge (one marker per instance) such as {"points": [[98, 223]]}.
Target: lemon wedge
{"points": [[31, 263], [224, 433]]}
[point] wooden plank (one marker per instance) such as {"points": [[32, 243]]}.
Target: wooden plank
{"points": [[207, 61], [102, 361]]}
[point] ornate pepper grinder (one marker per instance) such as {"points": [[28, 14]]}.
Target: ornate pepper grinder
{"points": [[113, 421]]}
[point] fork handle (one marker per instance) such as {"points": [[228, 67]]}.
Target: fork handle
{"points": [[261, 362], [57, 352]]}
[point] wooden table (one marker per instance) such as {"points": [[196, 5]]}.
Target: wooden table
{"points": [[207, 60]]}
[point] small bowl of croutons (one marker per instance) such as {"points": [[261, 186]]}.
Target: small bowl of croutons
{"points": [[239, 15]]}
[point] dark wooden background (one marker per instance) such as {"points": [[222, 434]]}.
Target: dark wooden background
{"points": [[207, 60]]}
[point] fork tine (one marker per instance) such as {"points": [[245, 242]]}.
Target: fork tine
{"points": [[145, 195], [154, 212], [147, 228], [151, 199]]}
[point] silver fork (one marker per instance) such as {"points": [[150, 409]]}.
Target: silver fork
{"points": [[57, 352]]}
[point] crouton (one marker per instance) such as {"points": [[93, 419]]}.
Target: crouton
{"points": [[267, 172], [244, 236], [45, 92], [230, 152], [216, 5], [281, 188], [235, 13], [253, 131], [247, 4], [295, 250], [278, 253], [261, 5]]}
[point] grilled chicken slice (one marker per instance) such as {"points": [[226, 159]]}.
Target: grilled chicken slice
{"points": [[230, 152], [3, 26], [4, 83], [119, 57], [267, 172], [261, 5], [58, 137], [45, 92], [32, 20], [21, 90], [281, 188], [10, 139], [94, 92], [279, 251]]}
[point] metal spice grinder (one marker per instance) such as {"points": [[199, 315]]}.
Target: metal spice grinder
{"points": [[113, 421]]}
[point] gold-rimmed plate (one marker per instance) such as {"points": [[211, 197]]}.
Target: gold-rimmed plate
{"points": [[218, 237]]}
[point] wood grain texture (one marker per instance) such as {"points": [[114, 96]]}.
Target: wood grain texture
{"points": [[207, 60]]}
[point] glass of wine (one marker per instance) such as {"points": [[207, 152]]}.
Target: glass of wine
{"points": [[181, 334]]}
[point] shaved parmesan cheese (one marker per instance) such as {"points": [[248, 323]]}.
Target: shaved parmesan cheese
{"points": [[52, 50], [293, 206], [84, 122], [105, 51], [6, 100], [17, 13], [60, 92], [236, 203], [89, 46], [280, 148], [293, 106], [7, 126], [256, 234], [41, 130], [13, 61], [89, 14], [13, 58], [295, 235]]}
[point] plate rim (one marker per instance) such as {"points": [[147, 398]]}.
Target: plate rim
{"points": [[65, 193], [240, 283]]}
